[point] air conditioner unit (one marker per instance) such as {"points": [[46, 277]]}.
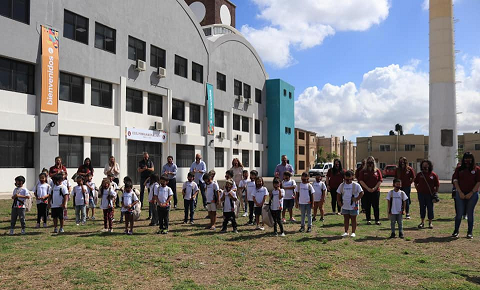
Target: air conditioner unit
{"points": [[182, 129], [158, 126], [239, 138], [161, 72], [241, 99], [221, 135], [249, 101], [141, 65]]}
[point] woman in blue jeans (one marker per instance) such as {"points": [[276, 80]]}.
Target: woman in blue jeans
{"points": [[427, 183], [466, 180]]}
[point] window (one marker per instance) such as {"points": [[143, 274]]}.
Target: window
{"points": [[426, 148], [101, 94], [246, 91], [105, 37], [384, 147], [258, 96], [155, 105], [221, 82], [178, 110], [301, 165], [134, 101], [235, 151], [237, 88], [157, 57], [71, 88], [194, 113], [289, 95], [181, 66], [236, 122], [16, 149], [219, 157], [257, 126], [409, 147], [75, 27], [219, 119], [301, 135], [136, 49], [477, 147], [460, 146], [301, 150], [71, 150], [16, 9], [245, 124], [284, 92], [101, 150], [257, 158], [288, 130], [197, 72], [185, 155], [246, 158], [382, 165], [16, 76]]}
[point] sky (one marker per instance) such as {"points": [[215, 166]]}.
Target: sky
{"points": [[361, 66]]}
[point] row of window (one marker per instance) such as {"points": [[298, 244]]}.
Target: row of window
{"points": [[408, 147]]}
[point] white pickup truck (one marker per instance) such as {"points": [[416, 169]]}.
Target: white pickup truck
{"points": [[321, 168]]}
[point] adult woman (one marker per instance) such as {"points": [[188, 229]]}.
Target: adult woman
{"points": [[334, 179], [237, 168], [406, 174], [112, 167], [466, 179], [370, 179], [426, 182], [85, 168]]}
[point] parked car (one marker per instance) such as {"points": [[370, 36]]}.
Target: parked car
{"points": [[321, 168], [389, 170]]}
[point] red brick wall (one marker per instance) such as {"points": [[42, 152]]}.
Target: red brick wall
{"points": [[212, 7]]}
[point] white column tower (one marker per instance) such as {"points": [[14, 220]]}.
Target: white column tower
{"points": [[443, 143]]}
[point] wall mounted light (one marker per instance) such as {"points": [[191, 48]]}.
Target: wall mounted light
{"points": [[51, 124]]}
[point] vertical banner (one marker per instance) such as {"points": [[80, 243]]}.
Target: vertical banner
{"points": [[49, 70], [210, 110]]}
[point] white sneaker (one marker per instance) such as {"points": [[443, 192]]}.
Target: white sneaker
{"points": [[110, 230], [245, 214], [92, 218], [11, 233], [353, 235], [78, 224], [261, 228], [104, 230], [345, 235], [282, 235], [22, 232], [61, 230]]}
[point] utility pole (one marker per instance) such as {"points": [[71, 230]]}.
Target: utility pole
{"points": [[343, 154]]}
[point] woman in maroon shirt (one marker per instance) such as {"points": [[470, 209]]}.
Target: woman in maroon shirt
{"points": [[334, 179], [370, 179], [467, 181], [85, 168], [406, 174], [426, 182]]}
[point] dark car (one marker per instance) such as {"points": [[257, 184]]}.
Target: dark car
{"points": [[389, 171]]}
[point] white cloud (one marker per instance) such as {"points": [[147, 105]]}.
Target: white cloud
{"points": [[386, 96], [303, 24]]}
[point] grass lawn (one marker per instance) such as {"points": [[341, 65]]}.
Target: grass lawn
{"points": [[190, 257]]}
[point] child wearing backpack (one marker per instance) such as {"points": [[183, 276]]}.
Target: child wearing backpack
{"points": [[129, 200], [189, 192], [42, 192], [211, 194], [304, 200], [251, 187], [162, 198], [58, 201], [242, 194], [229, 197], [289, 185], [396, 204], [20, 194], [92, 192], [80, 195], [276, 205], [259, 197], [348, 198], [108, 196], [318, 197]]}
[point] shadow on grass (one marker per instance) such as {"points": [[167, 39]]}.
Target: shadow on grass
{"points": [[319, 239], [102, 234], [444, 220], [446, 239], [471, 279], [240, 237], [17, 233], [331, 225], [370, 238]]}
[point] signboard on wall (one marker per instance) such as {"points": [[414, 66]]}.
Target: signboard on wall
{"points": [[145, 135], [210, 110], [49, 102]]}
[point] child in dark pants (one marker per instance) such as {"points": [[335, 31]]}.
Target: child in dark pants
{"points": [[162, 198], [276, 206], [229, 197], [251, 187], [42, 192], [397, 200], [18, 207], [189, 191], [129, 200]]}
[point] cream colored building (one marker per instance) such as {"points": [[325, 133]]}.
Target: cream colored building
{"points": [[345, 149], [305, 150]]}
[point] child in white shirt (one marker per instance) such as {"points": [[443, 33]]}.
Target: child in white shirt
{"points": [[129, 200], [304, 200], [162, 198], [152, 183], [276, 205], [211, 194], [80, 195], [66, 183], [229, 197], [396, 204], [259, 197], [189, 191], [318, 197], [108, 196], [58, 201], [42, 192], [350, 193], [289, 185], [242, 194], [20, 194], [251, 187], [92, 195]]}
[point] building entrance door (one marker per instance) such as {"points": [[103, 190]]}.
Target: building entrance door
{"points": [[135, 154]]}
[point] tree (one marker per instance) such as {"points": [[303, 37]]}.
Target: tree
{"points": [[320, 157], [332, 156]]}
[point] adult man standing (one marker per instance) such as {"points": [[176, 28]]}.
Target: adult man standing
{"points": [[170, 169], [57, 168], [146, 168], [282, 167], [199, 168]]}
